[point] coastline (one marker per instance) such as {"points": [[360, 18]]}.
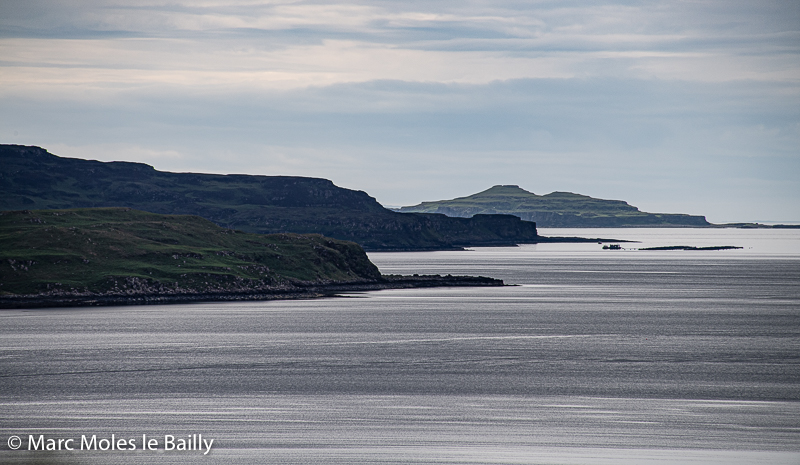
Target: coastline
{"points": [[298, 290], [539, 240]]}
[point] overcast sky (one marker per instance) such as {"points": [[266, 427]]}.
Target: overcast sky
{"points": [[673, 106]]}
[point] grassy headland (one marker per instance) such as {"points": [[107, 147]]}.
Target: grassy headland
{"points": [[123, 250], [103, 256]]}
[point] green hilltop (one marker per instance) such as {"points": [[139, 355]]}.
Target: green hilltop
{"points": [[119, 251], [557, 209]]}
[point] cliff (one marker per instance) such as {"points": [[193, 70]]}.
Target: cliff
{"points": [[32, 178]]}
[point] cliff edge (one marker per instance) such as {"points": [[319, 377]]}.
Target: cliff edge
{"points": [[32, 178]]}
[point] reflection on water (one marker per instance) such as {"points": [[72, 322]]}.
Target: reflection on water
{"points": [[594, 357], [434, 429]]}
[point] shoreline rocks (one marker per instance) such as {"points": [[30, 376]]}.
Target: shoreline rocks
{"points": [[295, 291]]}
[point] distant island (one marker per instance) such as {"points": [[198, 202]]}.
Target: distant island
{"points": [[114, 256], [555, 210], [689, 247]]}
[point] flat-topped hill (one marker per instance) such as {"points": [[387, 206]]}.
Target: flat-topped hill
{"points": [[557, 209], [32, 178]]}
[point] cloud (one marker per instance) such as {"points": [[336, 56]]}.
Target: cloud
{"points": [[659, 103], [403, 142], [298, 44], [115, 152]]}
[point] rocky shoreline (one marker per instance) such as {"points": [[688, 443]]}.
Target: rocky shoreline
{"points": [[297, 290]]}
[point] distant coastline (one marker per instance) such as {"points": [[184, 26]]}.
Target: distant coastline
{"points": [[568, 210], [755, 226], [678, 226]]}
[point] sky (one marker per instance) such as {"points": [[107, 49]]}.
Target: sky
{"points": [[673, 106]]}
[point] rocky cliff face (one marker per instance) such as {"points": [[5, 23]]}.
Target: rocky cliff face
{"points": [[32, 178]]}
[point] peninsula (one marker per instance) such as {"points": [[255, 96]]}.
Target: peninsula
{"points": [[114, 256]]}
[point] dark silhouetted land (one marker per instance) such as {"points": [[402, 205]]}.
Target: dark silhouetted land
{"points": [[32, 178]]}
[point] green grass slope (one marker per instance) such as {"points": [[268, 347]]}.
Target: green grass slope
{"points": [[557, 209], [124, 251]]}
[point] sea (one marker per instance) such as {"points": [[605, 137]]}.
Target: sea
{"points": [[586, 356]]}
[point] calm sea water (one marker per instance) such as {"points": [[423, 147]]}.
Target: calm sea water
{"points": [[594, 356]]}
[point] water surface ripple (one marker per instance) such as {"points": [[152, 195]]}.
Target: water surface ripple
{"points": [[588, 359]]}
